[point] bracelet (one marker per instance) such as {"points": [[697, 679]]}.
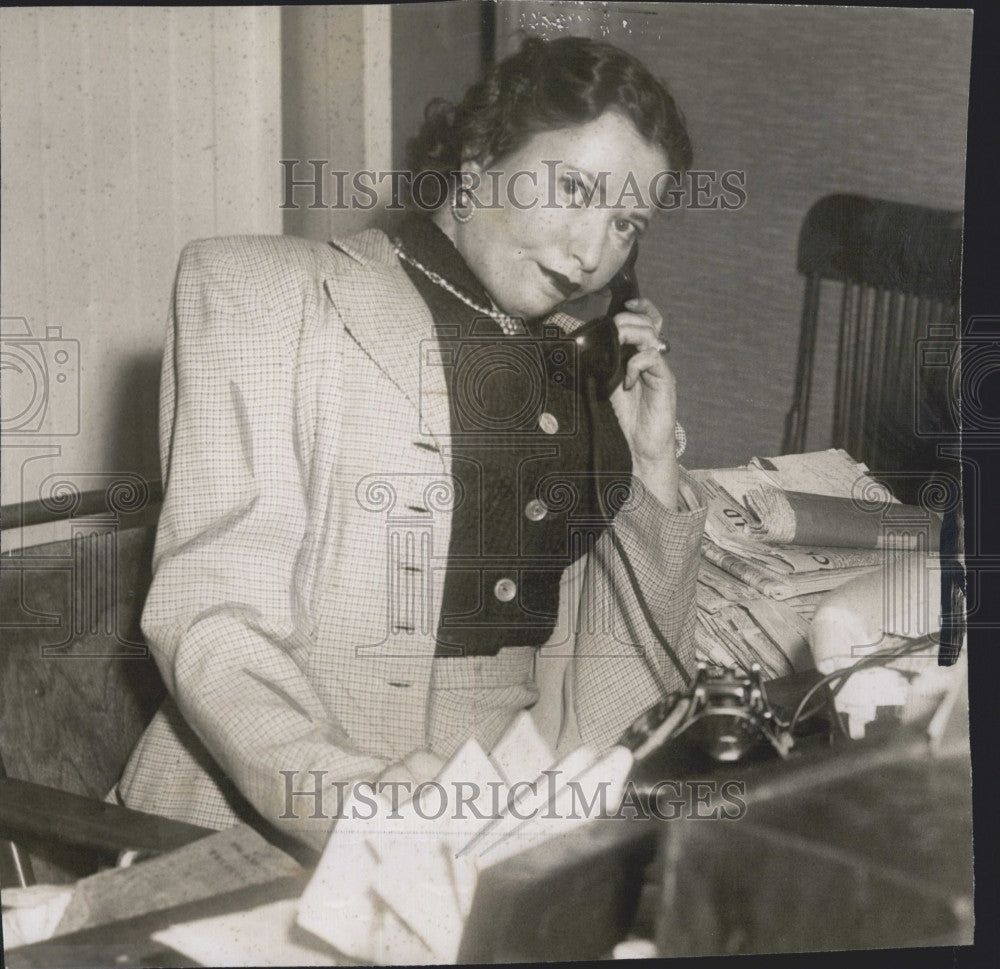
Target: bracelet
{"points": [[680, 439]]}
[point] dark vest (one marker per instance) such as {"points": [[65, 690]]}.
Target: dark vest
{"points": [[524, 449]]}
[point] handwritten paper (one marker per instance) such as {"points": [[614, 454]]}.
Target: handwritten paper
{"points": [[221, 862]]}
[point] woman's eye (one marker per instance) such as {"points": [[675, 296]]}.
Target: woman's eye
{"points": [[626, 227]]}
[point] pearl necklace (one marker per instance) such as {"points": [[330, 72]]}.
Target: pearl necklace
{"points": [[509, 324]]}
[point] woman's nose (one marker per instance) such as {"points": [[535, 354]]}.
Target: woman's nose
{"points": [[587, 245]]}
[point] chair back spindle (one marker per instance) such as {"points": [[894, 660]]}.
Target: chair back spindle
{"points": [[897, 268]]}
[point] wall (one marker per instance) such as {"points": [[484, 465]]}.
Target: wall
{"points": [[808, 101], [437, 51], [336, 94], [127, 132], [355, 83]]}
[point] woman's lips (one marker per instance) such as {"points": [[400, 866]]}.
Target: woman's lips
{"points": [[561, 284]]}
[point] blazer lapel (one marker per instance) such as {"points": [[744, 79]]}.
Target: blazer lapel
{"points": [[382, 311], [384, 314]]}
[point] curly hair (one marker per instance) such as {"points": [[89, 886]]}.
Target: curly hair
{"points": [[547, 85]]}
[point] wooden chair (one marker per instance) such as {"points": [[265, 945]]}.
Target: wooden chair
{"points": [[77, 687], [889, 275]]}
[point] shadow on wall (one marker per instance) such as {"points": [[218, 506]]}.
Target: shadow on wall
{"points": [[133, 439]]}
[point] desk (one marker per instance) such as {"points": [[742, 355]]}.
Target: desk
{"points": [[876, 857], [590, 888], [577, 895], [598, 872], [130, 943]]}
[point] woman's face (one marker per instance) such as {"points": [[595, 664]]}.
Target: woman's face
{"points": [[537, 241]]}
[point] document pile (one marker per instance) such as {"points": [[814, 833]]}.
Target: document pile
{"points": [[396, 882], [781, 532]]}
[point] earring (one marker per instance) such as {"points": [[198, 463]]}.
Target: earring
{"points": [[458, 214]]}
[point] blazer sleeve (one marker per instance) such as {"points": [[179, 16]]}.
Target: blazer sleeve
{"points": [[223, 618], [620, 667]]}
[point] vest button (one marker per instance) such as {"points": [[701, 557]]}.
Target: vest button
{"points": [[505, 590], [536, 510], [548, 423]]}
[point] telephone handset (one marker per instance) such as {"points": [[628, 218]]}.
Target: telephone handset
{"points": [[600, 357], [601, 362]]}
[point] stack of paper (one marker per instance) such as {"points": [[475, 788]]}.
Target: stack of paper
{"points": [[396, 881], [755, 598]]}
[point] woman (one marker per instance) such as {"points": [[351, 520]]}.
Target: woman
{"points": [[366, 553]]}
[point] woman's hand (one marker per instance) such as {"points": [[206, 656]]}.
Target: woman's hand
{"points": [[415, 768], [646, 402]]}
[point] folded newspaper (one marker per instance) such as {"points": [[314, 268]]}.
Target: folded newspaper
{"points": [[760, 578], [797, 518]]}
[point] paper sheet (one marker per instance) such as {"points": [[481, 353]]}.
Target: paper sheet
{"points": [[833, 472], [521, 751], [396, 887], [602, 782], [31, 914], [261, 936], [222, 862], [397, 864]]}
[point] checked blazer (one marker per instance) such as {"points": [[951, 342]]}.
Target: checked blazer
{"points": [[296, 583]]}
